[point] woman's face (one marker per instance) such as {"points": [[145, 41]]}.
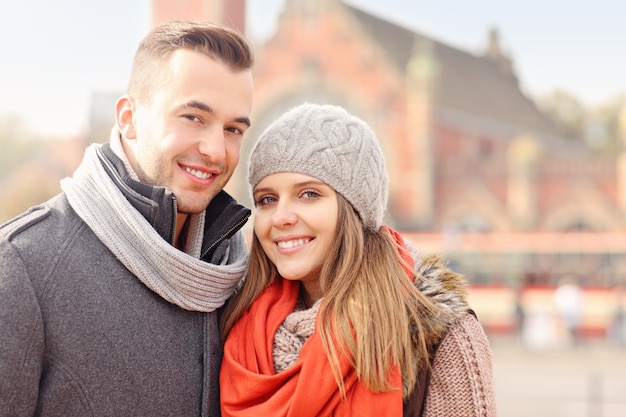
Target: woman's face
{"points": [[296, 223]]}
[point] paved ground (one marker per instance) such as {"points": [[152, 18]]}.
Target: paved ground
{"points": [[588, 380]]}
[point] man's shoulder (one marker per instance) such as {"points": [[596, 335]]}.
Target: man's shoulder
{"points": [[53, 209]]}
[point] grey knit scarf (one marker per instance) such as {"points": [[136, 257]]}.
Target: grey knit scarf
{"points": [[178, 277]]}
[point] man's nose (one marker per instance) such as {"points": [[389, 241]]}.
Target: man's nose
{"points": [[213, 144]]}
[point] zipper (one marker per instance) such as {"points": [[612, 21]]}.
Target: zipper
{"points": [[174, 220], [237, 226]]}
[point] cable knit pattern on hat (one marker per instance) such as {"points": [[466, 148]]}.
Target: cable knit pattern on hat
{"points": [[330, 145]]}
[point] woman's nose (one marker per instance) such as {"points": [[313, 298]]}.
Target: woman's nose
{"points": [[284, 215]]}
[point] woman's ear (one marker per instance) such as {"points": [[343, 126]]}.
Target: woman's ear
{"points": [[124, 112]]}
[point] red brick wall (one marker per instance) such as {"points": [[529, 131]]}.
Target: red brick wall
{"points": [[229, 12]]}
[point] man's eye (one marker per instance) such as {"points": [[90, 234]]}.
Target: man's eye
{"points": [[235, 130], [192, 117]]}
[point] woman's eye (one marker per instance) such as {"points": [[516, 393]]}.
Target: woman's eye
{"points": [[310, 194], [263, 201]]}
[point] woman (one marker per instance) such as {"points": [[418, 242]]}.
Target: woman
{"points": [[338, 315]]}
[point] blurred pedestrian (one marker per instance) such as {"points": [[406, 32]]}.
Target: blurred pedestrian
{"points": [[569, 301]]}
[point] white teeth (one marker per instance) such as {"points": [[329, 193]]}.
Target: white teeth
{"points": [[198, 174], [292, 243]]}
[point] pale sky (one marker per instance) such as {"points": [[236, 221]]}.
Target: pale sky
{"points": [[55, 53]]}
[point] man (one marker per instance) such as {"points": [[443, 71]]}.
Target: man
{"points": [[110, 292]]}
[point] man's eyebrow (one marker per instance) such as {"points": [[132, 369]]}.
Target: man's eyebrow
{"points": [[243, 120], [194, 104]]}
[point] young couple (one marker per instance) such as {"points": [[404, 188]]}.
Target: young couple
{"points": [[114, 294]]}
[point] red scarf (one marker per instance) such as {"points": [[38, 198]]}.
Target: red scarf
{"points": [[250, 387]]}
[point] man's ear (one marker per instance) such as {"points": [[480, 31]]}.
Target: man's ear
{"points": [[124, 112]]}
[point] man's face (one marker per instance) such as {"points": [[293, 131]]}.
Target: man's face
{"points": [[187, 136]]}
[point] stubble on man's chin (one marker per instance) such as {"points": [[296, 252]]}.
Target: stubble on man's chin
{"points": [[188, 211]]}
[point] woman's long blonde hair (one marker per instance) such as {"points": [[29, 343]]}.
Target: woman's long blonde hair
{"points": [[372, 313]]}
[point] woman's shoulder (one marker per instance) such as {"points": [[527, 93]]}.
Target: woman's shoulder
{"points": [[462, 376], [446, 288]]}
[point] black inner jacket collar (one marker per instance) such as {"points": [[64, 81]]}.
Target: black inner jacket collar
{"points": [[224, 216]]}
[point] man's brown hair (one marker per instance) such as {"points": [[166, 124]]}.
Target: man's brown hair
{"points": [[217, 42]]}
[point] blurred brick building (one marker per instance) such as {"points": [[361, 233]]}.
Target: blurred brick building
{"points": [[477, 171]]}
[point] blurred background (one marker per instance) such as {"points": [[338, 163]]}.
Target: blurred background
{"points": [[503, 125]]}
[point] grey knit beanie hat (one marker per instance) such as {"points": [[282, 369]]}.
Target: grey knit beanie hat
{"points": [[327, 143]]}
